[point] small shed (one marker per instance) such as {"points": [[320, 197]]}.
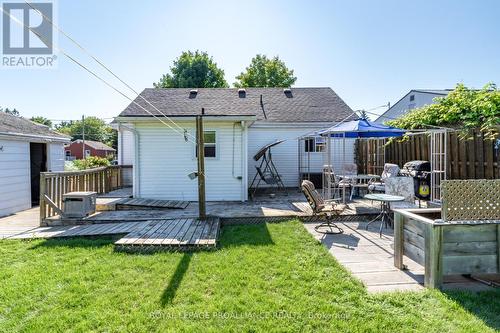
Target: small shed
{"points": [[26, 149]]}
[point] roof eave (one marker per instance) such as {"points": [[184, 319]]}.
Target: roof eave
{"points": [[187, 118], [46, 138]]}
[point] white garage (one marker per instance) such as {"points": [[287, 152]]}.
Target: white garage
{"points": [[26, 149]]}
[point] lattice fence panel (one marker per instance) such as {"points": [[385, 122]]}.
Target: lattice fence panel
{"points": [[465, 200]]}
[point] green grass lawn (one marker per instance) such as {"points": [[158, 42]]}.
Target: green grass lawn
{"points": [[269, 277]]}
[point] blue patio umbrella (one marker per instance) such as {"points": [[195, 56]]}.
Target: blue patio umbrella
{"points": [[361, 128], [355, 129]]}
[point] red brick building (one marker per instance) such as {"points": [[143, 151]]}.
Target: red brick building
{"points": [[92, 148]]}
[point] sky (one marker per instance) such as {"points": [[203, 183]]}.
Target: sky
{"points": [[369, 52]]}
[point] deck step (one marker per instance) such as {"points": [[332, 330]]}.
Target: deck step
{"points": [[139, 204], [175, 233]]}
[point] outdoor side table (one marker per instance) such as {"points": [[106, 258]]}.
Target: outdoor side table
{"points": [[385, 200]]}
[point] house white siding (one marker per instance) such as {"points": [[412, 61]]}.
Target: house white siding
{"points": [[15, 191], [126, 151], [165, 160], [55, 157], [15, 172], [408, 103], [126, 145], [286, 155]]}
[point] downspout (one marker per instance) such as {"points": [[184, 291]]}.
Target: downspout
{"points": [[244, 164], [135, 179], [120, 138]]}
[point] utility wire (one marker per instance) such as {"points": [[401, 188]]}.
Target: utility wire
{"points": [[107, 68], [98, 77]]}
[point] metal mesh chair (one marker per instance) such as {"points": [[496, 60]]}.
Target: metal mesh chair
{"points": [[322, 208], [390, 170]]}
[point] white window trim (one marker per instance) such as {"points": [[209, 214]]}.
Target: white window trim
{"points": [[217, 150], [315, 145]]}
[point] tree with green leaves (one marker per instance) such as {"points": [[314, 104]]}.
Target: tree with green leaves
{"points": [[265, 72], [13, 112], [42, 120], [95, 129], [463, 108], [193, 70]]}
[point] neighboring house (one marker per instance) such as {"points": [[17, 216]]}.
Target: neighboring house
{"points": [[92, 148], [26, 149], [414, 99], [237, 123]]}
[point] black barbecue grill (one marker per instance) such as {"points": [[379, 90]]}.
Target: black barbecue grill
{"points": [[420, 171]]}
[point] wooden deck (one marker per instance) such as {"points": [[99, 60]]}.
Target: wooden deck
{"points": [[70, 231], [189, 232], [130, 204], [183, 233], [370, 258]]}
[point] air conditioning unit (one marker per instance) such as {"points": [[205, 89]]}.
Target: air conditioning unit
{"points": [[79, 204]]}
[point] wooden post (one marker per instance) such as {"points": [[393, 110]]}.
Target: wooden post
{"points": [[433, 256], [83, 138], [200, 146], [398, 240], [498, 248], [42, 198]]}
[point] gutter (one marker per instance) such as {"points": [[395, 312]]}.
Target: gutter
{"points": [[186, 118], [264, 124], [34, 136]]}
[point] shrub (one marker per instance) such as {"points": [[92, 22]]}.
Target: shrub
{"points": [[463, 108], [91, 162]]}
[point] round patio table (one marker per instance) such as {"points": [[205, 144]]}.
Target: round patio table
{"points": [[385, 200]]}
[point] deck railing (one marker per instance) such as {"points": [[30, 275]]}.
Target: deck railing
{"points": [[54, 184]]}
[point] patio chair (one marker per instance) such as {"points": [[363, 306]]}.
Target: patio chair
{"points": [[390, 170], [335, 183], [350, 169], [404, 187], [322, 208]]}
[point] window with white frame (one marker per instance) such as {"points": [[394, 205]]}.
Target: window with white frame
{"points": [[87, 153], [210, 144], [315, 145]]}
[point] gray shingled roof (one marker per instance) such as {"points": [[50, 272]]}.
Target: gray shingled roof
{"points": [[10, 124], [302, 105], [434, 91], [96, 145]]}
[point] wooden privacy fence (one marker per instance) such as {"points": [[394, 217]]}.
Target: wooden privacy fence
{"points": [[474, 158], [54, 184]]}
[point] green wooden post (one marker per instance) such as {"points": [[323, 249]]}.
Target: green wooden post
{"points": [[433, 256], [498, 247], [201, 166], [398, 240], [43, 212]]}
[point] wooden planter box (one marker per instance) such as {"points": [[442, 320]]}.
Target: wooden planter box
{"points": [[445, 247]]}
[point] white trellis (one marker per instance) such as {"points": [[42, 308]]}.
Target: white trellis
{"points": [[438, 159]]}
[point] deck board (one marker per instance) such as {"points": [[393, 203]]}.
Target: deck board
{"points": [[142, 203], [183, 232]]}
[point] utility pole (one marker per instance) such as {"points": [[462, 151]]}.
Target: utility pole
{"points": [[200, 146], [83, 137]]}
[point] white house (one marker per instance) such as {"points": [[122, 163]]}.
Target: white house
{"points": [[415, 98], [26, 149], [237, 123]]}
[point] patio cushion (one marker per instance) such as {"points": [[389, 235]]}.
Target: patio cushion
{"points": [[378, 187]]}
